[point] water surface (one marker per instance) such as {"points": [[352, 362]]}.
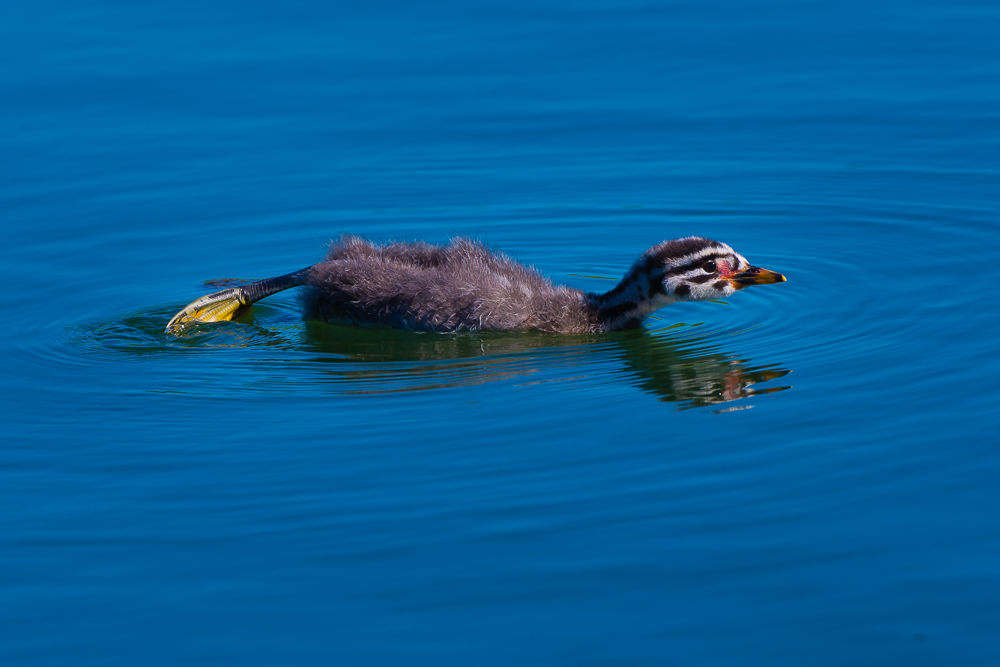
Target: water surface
{"points": [[803, 475]]}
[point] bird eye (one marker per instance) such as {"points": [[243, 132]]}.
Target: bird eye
{"points": [[709, 267]]}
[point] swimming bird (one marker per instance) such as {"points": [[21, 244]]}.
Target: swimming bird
{"points": [[466, 286]]}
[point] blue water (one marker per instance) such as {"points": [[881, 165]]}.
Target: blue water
{"points": [[806, 475]]}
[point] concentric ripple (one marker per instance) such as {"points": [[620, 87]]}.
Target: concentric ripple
{"points": [[693, 365], [834, 308]]}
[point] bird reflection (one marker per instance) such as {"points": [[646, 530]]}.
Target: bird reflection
{"points": [[676, 364]]}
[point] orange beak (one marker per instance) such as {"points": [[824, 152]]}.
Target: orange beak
{"points": [[755, 276]]}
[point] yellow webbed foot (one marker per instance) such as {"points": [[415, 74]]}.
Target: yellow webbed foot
{"points": [[215, 307], [228, 303]]}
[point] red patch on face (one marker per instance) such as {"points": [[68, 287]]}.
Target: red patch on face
{"points": [[723, 268]]}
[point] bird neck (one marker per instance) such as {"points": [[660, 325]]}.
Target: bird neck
{"points": [[638, 294]]}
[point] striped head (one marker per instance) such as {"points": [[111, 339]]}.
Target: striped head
{"points": [[699, 269], [689, 269]]}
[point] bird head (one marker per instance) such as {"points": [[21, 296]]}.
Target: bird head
{"points": [[699, 269]]}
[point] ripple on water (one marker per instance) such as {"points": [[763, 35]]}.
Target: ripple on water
{"points": [[865, 289], [273, 351], [834, 307]]}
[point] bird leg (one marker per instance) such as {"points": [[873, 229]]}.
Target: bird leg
{"points": [[228, 303]]}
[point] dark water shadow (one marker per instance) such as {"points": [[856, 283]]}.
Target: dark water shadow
{"points": [[672, 364], [679, 364]]}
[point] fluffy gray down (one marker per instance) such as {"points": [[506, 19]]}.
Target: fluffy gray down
{"points": [[462, 285]]}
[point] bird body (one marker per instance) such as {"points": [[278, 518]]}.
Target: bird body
{"points": [[459, 286], [466, 286]]}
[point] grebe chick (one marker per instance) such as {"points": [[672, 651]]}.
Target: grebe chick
{"points": [[465, 286]]}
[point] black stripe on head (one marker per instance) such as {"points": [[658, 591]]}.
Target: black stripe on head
{"points": [[669, 250], [682, 247], [682, 291], [698, 280], [720, 285], [677, 270]]}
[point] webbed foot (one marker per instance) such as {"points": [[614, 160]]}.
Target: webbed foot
{"points": [[215, 307], [228, 303]]}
